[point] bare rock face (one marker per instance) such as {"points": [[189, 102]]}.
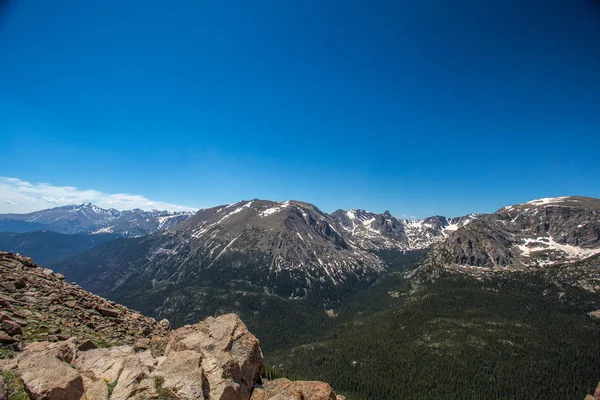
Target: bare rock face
{"points": [[215, 359], [104, 364], [46, 374], [94, 389], [284, 389], [232, 359], [183, 370]]}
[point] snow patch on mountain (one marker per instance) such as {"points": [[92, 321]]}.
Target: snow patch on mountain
{"points": [[547, 200], [384, 231]]}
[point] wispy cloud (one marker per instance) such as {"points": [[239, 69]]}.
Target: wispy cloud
{"points": [[18, 196]]}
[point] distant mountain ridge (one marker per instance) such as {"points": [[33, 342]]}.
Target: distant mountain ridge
{"points": [[384, 231], [89, 218]]}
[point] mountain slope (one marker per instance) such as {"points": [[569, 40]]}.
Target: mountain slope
{"points": [[290, 248], [48, 247], [89, 218], [58, 341], [538, 233], [385, 232]]}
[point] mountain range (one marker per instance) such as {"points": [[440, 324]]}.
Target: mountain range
{"points": [[89, 218], [289, 248], [367, 301], [292, 248]]}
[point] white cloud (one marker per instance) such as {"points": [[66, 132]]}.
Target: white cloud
{"points": [[17, 196]]}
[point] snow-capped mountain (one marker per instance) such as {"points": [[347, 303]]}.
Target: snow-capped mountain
{"points": [[384, 231], [89, 218], [538, 233], [290, 248]]}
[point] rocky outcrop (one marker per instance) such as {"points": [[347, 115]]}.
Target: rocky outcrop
{"points": [[216, 359], [231, 357], [284, 389], [38, 304]]}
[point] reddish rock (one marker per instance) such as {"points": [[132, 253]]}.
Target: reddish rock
{"points": [[46, 373], [284, 389], [143, 344], [182, 370], [11, 327], [5, 339], [4, 317], [87, 345], [95, 389], [108, 312], [104, 363], [8, 286], [47, 378], [70, 303], [3, 389]]}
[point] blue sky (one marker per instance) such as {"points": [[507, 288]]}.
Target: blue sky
{"points": [[422, 108]]}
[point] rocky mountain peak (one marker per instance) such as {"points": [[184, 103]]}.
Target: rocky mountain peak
{"points": [[384, 231], [538, 233]]}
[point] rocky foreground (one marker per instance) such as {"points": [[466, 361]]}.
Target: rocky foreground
{"points": [[59, 342]]}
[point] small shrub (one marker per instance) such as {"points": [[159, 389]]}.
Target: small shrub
{"points": [[162, 392], [111, 386]]}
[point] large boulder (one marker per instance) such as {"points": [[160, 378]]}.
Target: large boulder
{"points": [[133, 372], [46, 373], [284, 389], [217, 359], [182, 371], [106, 364], [231, 356]]}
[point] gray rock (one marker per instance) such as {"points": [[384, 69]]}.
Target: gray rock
{"points": [[165, 324]]}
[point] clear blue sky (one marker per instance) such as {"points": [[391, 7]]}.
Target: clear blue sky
{"points": [[420, 107]]}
